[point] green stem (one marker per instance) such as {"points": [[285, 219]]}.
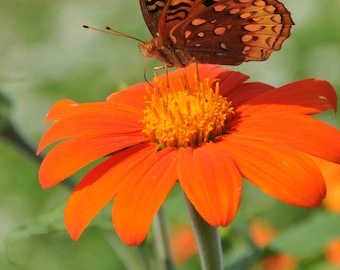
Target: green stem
{"points": [[162, 241], [207, 238], [13, 136], [132, 257]]}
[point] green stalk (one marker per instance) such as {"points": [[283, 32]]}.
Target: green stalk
{"points": [[162, 241], [207, 239], [133, 257], [13, 136]]}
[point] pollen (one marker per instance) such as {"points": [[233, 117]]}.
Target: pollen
{"points": [[186, 116]]}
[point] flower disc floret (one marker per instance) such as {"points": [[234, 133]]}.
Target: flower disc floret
{"points": [[182, 117]]}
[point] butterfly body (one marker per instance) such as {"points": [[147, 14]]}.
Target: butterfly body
{"points": [[226, 32]]}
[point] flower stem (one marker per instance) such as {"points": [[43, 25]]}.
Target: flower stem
{"points": [[162, 241], [13, 136], [133, 258], [207, 238]]}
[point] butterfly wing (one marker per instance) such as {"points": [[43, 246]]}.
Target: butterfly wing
{"points": [[151, 10], [225, 32], [175, 13]]}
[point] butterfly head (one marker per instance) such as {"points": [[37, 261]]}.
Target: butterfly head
{"points": [[148, 48], [166, 53]]}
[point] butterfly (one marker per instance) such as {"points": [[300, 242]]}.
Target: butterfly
{"points": [[225, 32]]}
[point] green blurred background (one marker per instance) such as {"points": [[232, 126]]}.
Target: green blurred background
{"points": [[46, 55]]}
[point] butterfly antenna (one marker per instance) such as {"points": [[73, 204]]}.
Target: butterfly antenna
{"points": [[112, 32]]}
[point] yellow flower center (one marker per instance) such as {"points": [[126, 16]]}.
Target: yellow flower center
{"points": [[184, 116]]}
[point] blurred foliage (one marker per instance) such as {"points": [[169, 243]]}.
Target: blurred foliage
{"points": [[46, 55]]}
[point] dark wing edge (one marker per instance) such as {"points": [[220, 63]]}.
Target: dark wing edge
{"points": [[152, 10]]}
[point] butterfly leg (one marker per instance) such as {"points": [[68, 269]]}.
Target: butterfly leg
{"points": [[165, 67]]}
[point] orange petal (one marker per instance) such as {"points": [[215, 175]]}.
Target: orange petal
{"points": [[245, 91], [141, 196], [316, 94], [211, 181], [99, 186], [90, 124], [71, 155], [281, 172], [131, 98], [331, 173], [229, 78], [60, 109], [229, 81], [68, 108], [294, 130], [212, 72], [308, 96]]}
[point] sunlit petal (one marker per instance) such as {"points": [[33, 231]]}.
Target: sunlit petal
{"points": [[91, 125], [246, 91], [131, 99], [211, 181], [285, 174], [99, 186], [69, 156], [68, 108], [142, 195], [308, 96], [293, 130]]}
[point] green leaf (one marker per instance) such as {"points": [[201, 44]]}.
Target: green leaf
{"points": [[307, 238], [50, 222]]}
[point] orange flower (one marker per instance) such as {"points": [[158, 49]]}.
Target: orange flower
{"points": [[332, 252], [279, 262], [204, 135], [261, 232], [183, 244]]}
